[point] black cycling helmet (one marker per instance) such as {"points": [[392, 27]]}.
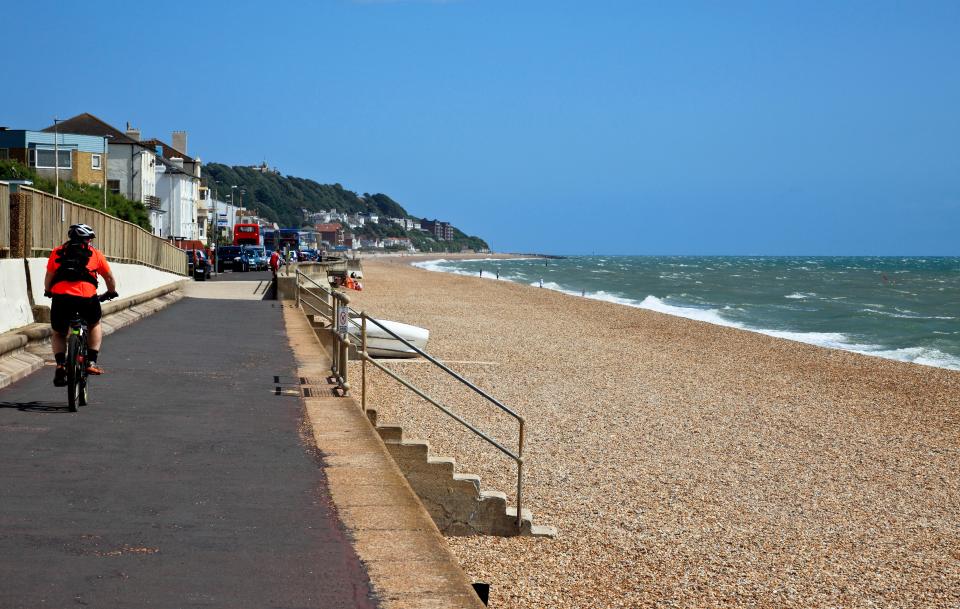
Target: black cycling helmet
{"points": [[79, 232]]}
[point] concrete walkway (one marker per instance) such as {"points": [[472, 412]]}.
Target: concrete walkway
{"points": [[186, 483], [409, 563]]}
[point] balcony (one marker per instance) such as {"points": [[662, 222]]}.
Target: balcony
{"points": [[151, 202]]}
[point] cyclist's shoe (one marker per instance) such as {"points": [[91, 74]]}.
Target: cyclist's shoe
{"points": [[60, 377], [93, 368]]}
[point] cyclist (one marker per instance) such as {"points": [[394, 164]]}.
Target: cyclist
{"points": [[71, 284]]}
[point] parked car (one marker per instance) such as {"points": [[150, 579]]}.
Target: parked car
{"points": [[235, 258], [258, 256], [198, 265]]}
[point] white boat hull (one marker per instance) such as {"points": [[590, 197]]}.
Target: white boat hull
{"points": [[381, 344]]}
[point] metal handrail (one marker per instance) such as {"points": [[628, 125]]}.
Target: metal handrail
{"points": [[452, 414], [307, 277], [518, 457], [340, 356], [444, 367]]}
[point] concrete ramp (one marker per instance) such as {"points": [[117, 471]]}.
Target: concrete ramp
{"points": [[227, 290]]}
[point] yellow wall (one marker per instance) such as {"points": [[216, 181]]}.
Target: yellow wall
{"points": [[83, 171]]}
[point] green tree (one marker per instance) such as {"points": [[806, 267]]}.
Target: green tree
{"points": [[84, 194]]}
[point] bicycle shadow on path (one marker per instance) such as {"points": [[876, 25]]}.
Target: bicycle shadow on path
{"points": [[38, 406]]}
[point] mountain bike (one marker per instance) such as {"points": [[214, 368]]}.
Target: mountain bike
{"points": [[76, 362]]}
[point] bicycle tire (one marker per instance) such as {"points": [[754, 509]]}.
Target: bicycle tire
{"points": [[82, 396], [73, 369]]}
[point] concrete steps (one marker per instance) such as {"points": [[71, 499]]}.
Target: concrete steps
{"points": [[455, 501]]}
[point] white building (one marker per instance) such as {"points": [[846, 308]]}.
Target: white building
{"points": [[130, 162], [398, 242], [406, 223], [355, 220], [178, 191], [227, 216]]}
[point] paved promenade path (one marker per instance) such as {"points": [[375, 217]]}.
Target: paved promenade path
{"points": [[185, 483]]}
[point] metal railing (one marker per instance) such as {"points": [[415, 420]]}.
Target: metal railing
{"points": [[332, 303]]}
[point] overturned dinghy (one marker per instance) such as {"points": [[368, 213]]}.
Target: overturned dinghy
{"points": [[381, 344]]}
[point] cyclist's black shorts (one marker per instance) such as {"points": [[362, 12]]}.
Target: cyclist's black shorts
{"points": [[64, 308]]}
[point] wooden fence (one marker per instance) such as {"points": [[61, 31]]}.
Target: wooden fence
{"points": [[4, 221], [120, 241]]}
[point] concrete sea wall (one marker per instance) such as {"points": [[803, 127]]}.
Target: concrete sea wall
{"points": [[14, 302], [17, 297]]}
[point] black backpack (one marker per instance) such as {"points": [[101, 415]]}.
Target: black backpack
{"points": [[73, 258]]}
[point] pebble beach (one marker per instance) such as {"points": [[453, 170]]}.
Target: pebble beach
{"points": [[684, 464]]}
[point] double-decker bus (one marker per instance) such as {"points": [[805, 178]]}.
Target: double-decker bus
{"points": [[270, 239], [246, 234], [288, 238]]}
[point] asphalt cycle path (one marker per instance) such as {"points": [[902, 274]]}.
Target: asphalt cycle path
{"points": [[185, 483]]}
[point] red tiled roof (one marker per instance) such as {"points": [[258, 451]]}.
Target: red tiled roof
{"points": [[328, 228]]}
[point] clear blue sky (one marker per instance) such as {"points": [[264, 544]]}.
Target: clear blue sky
{"points": [[565, 127]]}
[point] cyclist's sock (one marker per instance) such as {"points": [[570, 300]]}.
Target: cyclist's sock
{"points": [[92, 355], [61, 358]]}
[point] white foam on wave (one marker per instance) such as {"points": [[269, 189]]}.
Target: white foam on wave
{"points": [[712, 316], [801, 295], [556, 287], [905, 314], [926, 356], [831, 340], [437, 266]]}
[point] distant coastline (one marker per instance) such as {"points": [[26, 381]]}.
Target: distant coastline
{"points": [[410, 258]]}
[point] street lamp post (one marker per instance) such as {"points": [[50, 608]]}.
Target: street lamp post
{"points": [[103, 167], [233, 200], [216, 215], [231, 204], [56, 154]]}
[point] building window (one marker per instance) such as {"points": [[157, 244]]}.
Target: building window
{"points": [[95, 161], [43, 158], [4, 153], [113, 186]]}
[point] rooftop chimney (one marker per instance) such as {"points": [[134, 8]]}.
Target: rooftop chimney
{"points": [[180, 141], [132, 132]]}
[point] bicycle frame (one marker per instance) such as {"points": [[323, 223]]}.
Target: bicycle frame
{"points": [[76, 364]]}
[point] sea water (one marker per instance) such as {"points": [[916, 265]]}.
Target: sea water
{"points": [[905, 309]]}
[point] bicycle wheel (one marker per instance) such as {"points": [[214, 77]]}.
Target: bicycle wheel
{"points": [[82, 397], [73, 371]]}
